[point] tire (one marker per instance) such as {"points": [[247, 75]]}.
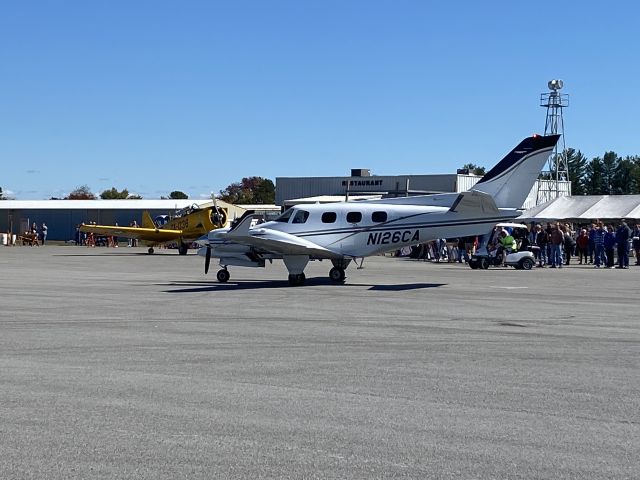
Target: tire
{"points": [[183, 248], [150, 251], [473, 263], [337, 275], [297, 280], [484, 263], [527, 263], [223, 276]]}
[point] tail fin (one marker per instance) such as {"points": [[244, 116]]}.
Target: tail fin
{"points": [[511, 180], [147, 222]]}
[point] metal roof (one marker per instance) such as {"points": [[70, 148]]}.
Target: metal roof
{"points": [[99, 204], [588, 207]]}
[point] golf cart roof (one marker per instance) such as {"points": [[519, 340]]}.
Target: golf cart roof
{"points": [[511, 225]]}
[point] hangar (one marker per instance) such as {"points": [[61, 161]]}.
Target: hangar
{"points": [[63, 216]]}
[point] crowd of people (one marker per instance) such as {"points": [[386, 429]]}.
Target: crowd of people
{"points": [[36, 235], [554, 245], [600, 244]]}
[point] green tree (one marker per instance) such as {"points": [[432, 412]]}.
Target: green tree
{"points": [[82, 192], [2, 197], [610, 162], [594, 182], [577, 164], [178, 195], [250, 190], [475, 169], [114, 194], [635, 174]]}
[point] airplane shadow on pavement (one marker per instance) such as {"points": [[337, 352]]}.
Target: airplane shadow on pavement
{"points": [[201, 286]]}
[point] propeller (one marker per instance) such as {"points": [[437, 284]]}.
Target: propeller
{"points": [[207, 260]]}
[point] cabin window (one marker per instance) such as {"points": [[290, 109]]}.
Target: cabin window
{"points": [[284, 218], [354, 217], [300, 216], [329, 217], [379, 217]]}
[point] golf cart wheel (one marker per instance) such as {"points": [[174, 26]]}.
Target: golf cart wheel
{"points": [[527, 263]]}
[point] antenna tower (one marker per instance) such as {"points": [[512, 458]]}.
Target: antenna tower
{"points": [[557, 166]]}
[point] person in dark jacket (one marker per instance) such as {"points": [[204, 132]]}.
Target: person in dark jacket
{"points": [[569, 244], [609, 245], [623, 234], [593, 231], [636, 242], [541, 241]]}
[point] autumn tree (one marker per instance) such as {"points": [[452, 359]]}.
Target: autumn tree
{"points": [[251, 190], [82, 192]]}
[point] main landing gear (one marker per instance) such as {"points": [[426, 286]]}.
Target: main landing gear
{"points": [[296, 279], [183, 248], [337, 275], [223, 275]]}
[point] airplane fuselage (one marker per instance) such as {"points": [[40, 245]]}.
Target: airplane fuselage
{"points": [[356, 229]]}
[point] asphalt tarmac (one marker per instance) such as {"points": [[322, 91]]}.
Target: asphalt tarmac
{"points": [[115, 364]]}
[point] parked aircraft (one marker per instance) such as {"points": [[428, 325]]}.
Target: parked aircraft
{"points": [[345, 231], [187, 225]]}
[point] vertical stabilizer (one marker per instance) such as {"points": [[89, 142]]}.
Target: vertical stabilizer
{"points": [[511, 180], [147, 222]]}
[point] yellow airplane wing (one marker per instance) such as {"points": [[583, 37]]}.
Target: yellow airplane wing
{"points": [[155, 235]]}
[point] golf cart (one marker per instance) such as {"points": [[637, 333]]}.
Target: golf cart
{"points": [[488, 255]]}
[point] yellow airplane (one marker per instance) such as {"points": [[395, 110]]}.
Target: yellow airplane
{"points": [[187, 225]]}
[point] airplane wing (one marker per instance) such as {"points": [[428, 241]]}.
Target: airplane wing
{"points": [[147, 234], [274, 241]]}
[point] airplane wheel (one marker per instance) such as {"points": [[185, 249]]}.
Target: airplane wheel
{"points": [[473, 263], [223, 276], [183, 248], [484, 263], [337, 275], [297, 280], [150, 251]]}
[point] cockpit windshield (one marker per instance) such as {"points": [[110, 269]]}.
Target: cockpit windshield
{"points": [[284, 218], [300, 216]]}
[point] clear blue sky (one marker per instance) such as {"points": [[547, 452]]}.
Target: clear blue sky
{"points": [[155, 96]]}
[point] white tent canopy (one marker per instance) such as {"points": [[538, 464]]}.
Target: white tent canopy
{"points": [[586, 208]]}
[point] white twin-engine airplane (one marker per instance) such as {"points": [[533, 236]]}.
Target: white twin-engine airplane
{"points": [[344, 231]]}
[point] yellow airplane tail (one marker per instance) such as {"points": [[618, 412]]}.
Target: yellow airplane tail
{"points": [[147, 222]]}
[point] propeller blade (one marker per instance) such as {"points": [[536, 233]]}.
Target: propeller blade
{"points": [[207, 260]]}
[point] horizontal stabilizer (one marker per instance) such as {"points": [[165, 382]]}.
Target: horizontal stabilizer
{"points": [[241, 229], [474, 203]]}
